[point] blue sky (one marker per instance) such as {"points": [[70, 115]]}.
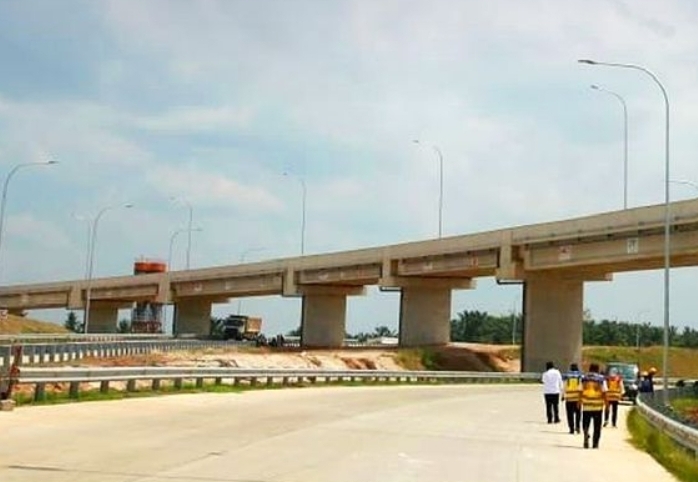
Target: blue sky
{"points": [[212, 101]]}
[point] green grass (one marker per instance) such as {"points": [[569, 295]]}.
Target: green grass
{"points": [[416, 358], [686, 407], [52, 398], [673, 457], [683, 362]]}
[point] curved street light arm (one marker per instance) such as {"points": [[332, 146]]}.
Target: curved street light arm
{"points": [[667, 218], [625, 140], [90, 265], [7, 183]]}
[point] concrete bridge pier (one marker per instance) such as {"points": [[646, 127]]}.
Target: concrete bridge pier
{"points": [[425, 316], [192, 316], [323, 315], [323, 320], [103, 317], [554, 311]]}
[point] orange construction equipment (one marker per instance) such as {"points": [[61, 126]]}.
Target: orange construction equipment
{"points": [[146, 317]]}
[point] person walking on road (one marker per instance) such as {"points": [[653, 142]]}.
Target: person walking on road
{"points": [[573, 397], [594, 390], [552, 386], [614, 394]]}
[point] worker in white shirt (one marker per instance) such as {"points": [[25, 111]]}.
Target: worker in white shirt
{"points": [[552, 387]]}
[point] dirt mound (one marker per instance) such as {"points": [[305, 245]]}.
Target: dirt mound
{"points": [[14, 325], [456, 357], [472, 357]]}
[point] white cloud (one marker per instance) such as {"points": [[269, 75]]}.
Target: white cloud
{"points": [[194, 119], [37, 231], [210, 188]]}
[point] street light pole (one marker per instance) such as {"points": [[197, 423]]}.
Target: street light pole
{"points": [[242, 260], [6, 184], [90, 265], [637, 329], [513, 321], [625, 140], [89, 240], [169, 259], [172, 240], [667, 219], [189, 227], [441, 184], [303, 203]]}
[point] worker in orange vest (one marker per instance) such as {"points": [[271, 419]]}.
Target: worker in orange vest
{"points": [[614, 382], [573, 397], [594, 390]]}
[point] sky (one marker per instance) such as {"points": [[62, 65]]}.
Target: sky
{"points": [[231, 106]]}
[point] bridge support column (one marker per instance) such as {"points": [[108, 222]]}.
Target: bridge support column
{"points": [[323, 320], [103, 318], [425, 316], [192, 317], [554, 311]]}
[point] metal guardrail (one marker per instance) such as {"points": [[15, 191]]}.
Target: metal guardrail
{"points": [[77, 337], [664, 419], [37, 354], [77, 377]]}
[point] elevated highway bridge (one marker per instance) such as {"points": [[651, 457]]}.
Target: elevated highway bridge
{"points": [[552, 261]]}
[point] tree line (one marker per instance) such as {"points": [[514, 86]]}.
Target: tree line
{"points": [[481, 327]]}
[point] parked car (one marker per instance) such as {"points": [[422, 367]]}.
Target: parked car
{"points": [[631, 378]]}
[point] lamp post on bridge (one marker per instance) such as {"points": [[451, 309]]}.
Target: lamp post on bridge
{"points": [[441, 183], [169, 258], [90, 264], [87, 220], [625, 140], [303, 209], [189, 227], [667, 220]]}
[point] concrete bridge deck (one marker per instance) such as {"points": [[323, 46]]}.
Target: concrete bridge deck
{"points": [[552, 260]]}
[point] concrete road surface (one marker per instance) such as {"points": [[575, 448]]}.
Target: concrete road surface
{"points": [[439, 433]]}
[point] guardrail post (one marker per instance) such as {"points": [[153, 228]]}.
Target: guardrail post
{"points": [[131, 386], [200, 382], [5, 353], [284, 381], [270, 381], [155, 386], [178, 383], [39, 392], [104, 386], [253, 381], [74, 390], [218, 381], [28, 354], [236, 382]]}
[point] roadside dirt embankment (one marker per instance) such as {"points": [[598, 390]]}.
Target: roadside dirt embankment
{"points": [[470, 357]]}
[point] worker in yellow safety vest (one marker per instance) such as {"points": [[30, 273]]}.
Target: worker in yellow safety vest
{"points": [[594, 390], [573, 397], [614, 382]]}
